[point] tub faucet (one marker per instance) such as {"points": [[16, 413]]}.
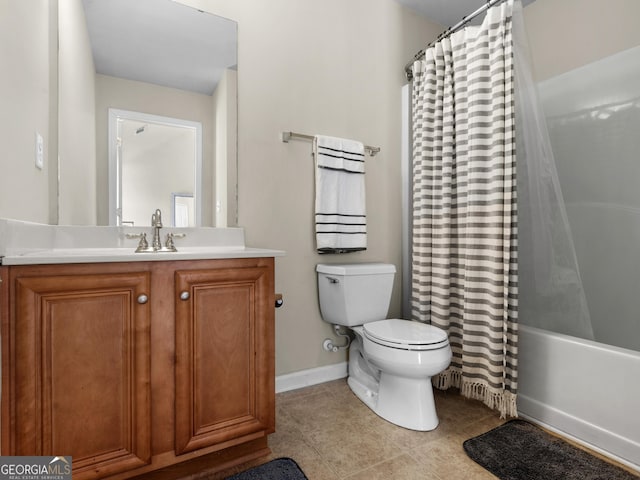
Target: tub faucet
{"points": [[156, 223]]}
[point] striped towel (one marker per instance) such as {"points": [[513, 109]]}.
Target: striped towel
{"points": [[341, 222]]}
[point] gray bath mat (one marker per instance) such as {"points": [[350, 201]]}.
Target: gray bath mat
{"points": [[519, 450], [278, 469]]}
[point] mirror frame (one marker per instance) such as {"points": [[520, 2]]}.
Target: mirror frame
{"points": [[114, 172]]}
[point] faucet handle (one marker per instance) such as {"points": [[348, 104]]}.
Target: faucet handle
{"points": [[143, 245], [169, 245]]}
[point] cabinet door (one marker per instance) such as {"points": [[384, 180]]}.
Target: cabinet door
{"points": [[224, 355], [80, 367]]}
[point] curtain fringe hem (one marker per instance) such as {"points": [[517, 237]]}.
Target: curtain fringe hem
{"points": [[500, 400]]}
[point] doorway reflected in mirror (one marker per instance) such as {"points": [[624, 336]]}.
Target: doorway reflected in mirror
{"points": [[154, 162], [182, 213]]}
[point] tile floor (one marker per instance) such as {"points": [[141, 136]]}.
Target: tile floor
{"points": [[332, 435]]}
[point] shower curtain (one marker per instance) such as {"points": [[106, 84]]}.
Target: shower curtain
{"points": [[551, 292], [464, 264]]}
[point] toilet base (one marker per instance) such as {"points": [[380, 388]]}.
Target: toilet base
{"points": [[368, 396], [406, 402]]}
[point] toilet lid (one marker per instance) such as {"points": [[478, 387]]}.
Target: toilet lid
{"points": [[405, 334]]}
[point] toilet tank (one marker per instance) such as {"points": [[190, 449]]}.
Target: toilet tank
{"points": [[354, 294]]}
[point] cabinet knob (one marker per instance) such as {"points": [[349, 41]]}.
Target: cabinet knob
{"points": [[143, 298], [184, 295]]}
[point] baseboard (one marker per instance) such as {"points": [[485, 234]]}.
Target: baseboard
{"points": [[312, 376], [609, 444]]}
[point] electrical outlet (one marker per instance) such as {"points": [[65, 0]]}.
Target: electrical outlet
{"points": [[39, 151]]}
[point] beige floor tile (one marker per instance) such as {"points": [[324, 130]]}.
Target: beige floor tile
{"points": [[290, 442], [335, 423], [351, 446], [402, 467], [332, 435], [447, 459], [314, 412]]}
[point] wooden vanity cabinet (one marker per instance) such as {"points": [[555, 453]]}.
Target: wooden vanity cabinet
{"points": [[223, 377], [76, 366], [139, 368]]}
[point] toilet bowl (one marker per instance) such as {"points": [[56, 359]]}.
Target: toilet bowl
{"points": [[391, 361]]}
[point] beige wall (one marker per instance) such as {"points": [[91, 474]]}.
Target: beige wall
{"points": [[566, 34], [76, 118], [142, 97], [333, 67], [27, 81]]}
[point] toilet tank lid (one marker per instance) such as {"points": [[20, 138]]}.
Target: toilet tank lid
{"points": [[356, 268]]}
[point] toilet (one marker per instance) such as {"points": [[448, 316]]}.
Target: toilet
{"points": [[391, 361]]}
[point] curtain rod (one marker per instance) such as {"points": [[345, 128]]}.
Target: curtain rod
{"points": [[408, 68], [286, 136]]}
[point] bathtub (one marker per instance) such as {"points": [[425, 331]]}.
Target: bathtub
{"points": [[584, 390]]}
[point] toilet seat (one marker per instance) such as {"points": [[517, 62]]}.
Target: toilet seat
{"points": [[405, 334]]}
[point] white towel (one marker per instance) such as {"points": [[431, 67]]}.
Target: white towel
{"points": [[341, 221]]}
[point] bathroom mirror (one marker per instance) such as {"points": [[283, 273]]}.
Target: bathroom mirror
{"points": [[171, 64]]}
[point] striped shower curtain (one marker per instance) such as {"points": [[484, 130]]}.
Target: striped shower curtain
{"points": [[464, 273]]}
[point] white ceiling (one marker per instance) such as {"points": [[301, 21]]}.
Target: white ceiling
{"points": [[447, 12], [161, 42]]}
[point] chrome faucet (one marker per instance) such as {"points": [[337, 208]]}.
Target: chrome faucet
{"points": [[156, 224], [156, 245]]}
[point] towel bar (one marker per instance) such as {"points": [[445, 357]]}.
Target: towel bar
{"points": [[286, 136]]}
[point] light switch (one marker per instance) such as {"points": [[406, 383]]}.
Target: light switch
{"points": [[39, 151]]}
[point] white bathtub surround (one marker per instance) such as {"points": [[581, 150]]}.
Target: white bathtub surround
{"points": [[552, 295], [592, 113], [582, 389], [23, 243], [465, 207]]}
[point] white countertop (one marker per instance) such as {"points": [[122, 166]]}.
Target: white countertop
{"points": [[24, 243], [97, 255]]}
